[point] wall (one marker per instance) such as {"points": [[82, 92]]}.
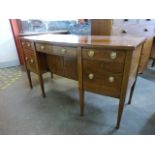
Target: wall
{"points": [[8, 51], [17, 29]]}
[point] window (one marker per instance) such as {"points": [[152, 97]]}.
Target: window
{"points": [[42, 25]]}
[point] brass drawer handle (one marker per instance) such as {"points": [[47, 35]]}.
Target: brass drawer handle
{"points": [[28, 45], [63, 51], [124, 31], [91, 53], [91, 76], [23, 43], [111, 79], [31, 61], [145, 30], [113, 55], [26, 58], [42, 47]]}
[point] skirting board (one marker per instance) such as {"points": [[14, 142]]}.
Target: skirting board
{"points": [[9, 64]]}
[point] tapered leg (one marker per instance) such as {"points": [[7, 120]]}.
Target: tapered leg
{"points": [[81, 92], [131, 93], [42, 85], [29, 78], [120, 111], [80, 79]]}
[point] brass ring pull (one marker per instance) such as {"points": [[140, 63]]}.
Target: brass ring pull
{"points": [[63, 51], [91, 53], [28, 45], [42, 47], [113, 55], [91, 76], [124, 31], [26, 58], [145, 30], [111, 79], [31, 61]]}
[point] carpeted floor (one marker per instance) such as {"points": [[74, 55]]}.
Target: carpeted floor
{"points": [[8, 76], [24, 111]]}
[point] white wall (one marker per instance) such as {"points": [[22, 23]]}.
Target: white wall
{"points": [[8, 51]]}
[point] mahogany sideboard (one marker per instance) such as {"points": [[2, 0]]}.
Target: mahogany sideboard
{"points": [[106, 65]]}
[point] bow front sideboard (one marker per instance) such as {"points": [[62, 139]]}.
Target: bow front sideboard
{"points": [[105, 65]]}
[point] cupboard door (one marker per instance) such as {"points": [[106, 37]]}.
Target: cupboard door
{"points": [[55, 64], [70, 67]]}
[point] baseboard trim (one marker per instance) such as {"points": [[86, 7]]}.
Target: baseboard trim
{"points": [[9, 64]]}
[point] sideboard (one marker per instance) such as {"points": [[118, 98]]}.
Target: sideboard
{"points": [[106, 65]]}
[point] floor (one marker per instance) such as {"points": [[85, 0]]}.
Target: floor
{"points": [[24, 111]]}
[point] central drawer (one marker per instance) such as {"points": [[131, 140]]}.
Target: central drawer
{"points": [[56, 50]]}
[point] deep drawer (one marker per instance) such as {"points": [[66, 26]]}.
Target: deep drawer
{"points": [[103, 83], [103, 66], [30, 61]]}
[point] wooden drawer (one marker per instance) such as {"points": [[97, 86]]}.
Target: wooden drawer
{"points": [[103, 66], [105, 55], [137, 30], [30, 62], [67, 51], [146, 21], [28, 45], [140, 30], [56, 50], [130, 21], [103, 83], [119, 22]]}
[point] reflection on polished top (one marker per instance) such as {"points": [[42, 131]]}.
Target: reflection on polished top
{"points": [[123, 42], [41, 33]]}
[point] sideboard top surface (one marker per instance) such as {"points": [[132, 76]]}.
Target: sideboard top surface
{"points": [[119, 42], [43, 33]]}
